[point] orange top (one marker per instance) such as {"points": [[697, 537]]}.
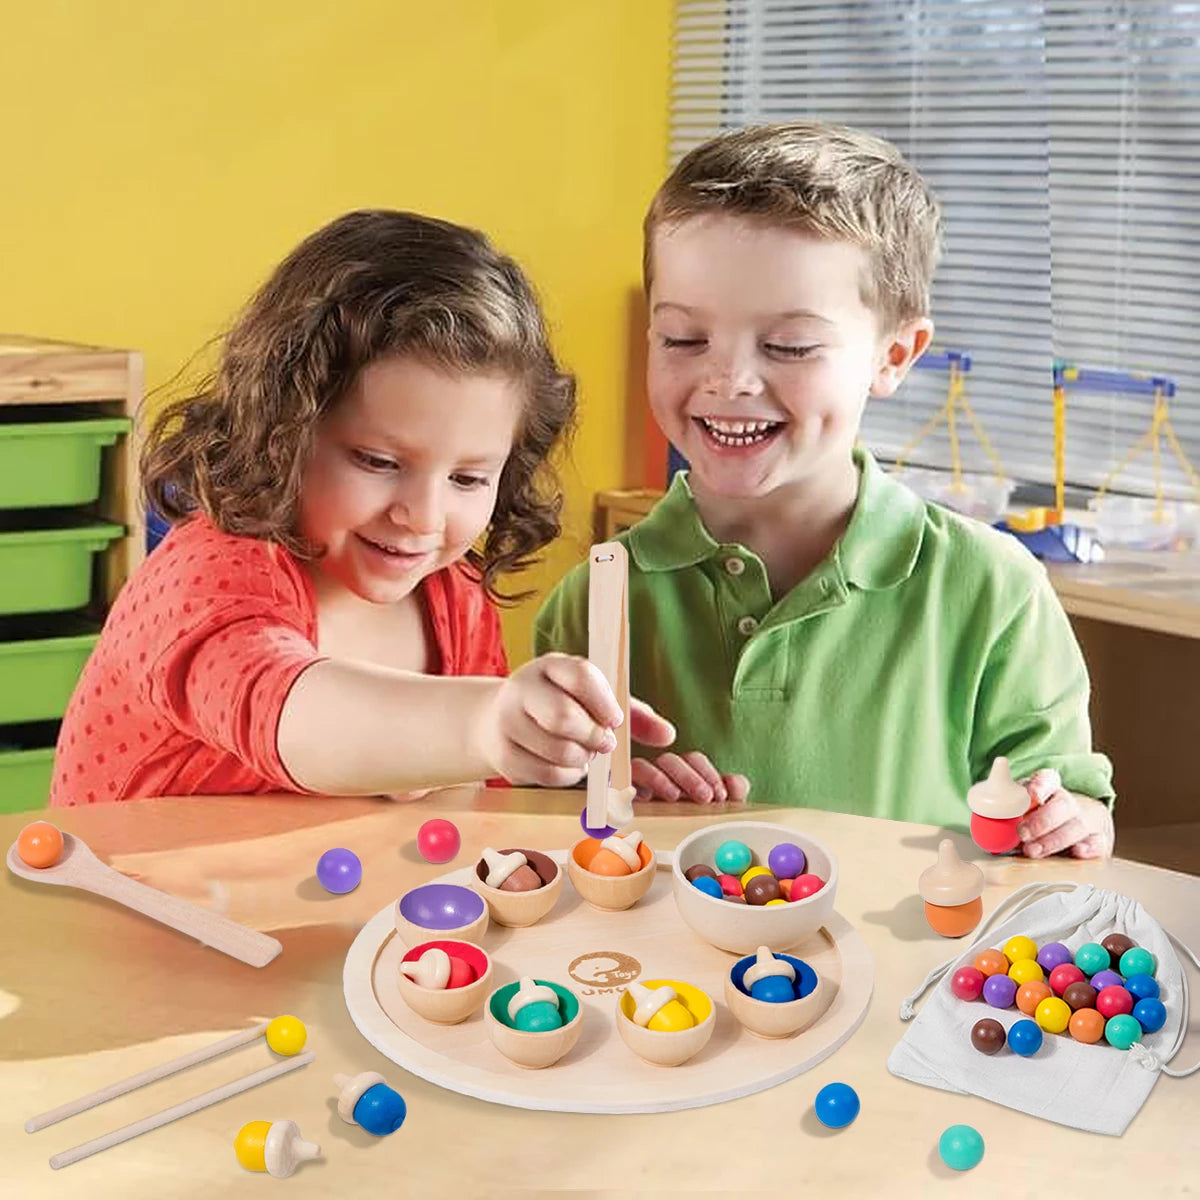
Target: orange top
{"points": [[183, 692]]}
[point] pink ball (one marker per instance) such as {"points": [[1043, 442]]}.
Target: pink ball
{"points": [[993, 835], [804, 886], [1112, 1001], [461, 972], [731, 885], [438, 841], [1063, 976], [967, 983]]}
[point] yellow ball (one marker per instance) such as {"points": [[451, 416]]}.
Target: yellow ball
{"points": [[770, 902], [250, 1143], [671, 1018], [1020, 947], [1026, 970], [1053, 1014], [286, 1035], [750, 873]]}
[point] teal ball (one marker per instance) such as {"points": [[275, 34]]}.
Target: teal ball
{"points": [[1138, 962], [1092, 958], [732, 858], [539, 1017], [961, 1147], [1122, 1031]]}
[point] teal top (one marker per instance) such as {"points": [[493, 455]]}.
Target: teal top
{"points": [[883, 684]]}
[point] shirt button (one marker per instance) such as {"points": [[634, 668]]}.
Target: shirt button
{"points": [[826, 587], [747, 625], [734, 565]]}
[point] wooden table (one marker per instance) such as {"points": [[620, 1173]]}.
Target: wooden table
{"points": [[91, 993]]}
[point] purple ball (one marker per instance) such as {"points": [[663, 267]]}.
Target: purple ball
{"points": [[1103, 979], [1000, 991], [786, 861], [599, 834], [339, 871], [1053, 954]]}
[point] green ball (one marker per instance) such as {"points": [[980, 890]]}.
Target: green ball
{"points": [[1092, 957], [1137, 962], [961, 1147], [541, 1017], [732, 858], [1122, 1031]]}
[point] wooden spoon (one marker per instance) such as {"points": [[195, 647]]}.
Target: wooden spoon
{"points": [[78, 867]]}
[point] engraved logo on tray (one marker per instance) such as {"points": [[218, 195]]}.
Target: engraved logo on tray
{"points": [[604, 971]]}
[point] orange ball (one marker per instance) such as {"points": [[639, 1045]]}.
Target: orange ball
{"points": [[992, 962], [785, 886], [608, 862], [40, 845], [1030, 995], [1086, 1025]]}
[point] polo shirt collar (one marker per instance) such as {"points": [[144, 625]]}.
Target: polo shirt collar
{"points": [[878, 550]]}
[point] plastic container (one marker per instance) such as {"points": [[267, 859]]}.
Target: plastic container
{"points": [[26, 766], [1135, 523], [46, 565], [50, 458], [983, 497], [40, 662]]}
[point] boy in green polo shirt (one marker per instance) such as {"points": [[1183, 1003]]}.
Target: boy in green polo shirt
{"points": [[804, 620]]}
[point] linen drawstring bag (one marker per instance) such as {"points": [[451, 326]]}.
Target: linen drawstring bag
{"points": [[1091, 1087]]}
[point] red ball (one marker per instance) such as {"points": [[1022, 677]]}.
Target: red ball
{"points": [[1063, 976], [967, 983], [731, 885], [1113, 1001], [438, 841], [461, 972], [804, 886], [995, 836]]}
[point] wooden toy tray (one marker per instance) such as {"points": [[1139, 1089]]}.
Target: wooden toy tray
{"points": [[597, 954]]}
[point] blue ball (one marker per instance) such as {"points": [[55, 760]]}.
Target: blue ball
{"points": [[837, 1105], [380, 1110], [774, 989], [1151, 1014], [961, 1147], [339, 871], [708, 885], [1025, 1038], [1142, 987], [732, 858]]}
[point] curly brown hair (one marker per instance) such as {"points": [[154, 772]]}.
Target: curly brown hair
{"points": [[370, 284]]}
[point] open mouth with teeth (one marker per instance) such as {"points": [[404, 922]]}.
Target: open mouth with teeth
{"points": [[738, 434], [393, 551]]}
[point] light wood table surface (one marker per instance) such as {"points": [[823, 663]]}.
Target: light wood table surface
{"points": [[91, 993]]}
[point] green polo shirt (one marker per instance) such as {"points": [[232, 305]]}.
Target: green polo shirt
{"points": [[883, 684]]}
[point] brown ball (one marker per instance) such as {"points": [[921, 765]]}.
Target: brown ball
{"points": [[1116, 944], [523, 879], [762, 888], [1080, 995], [699, 870], [734, 899], [988, 1036]]}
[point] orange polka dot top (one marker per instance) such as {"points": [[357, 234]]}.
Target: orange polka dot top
{"points": [[183, 692]]}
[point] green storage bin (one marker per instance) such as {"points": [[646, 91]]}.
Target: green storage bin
{"points": [[48, 459], [26, 766], [48, 567], [40, 663]]}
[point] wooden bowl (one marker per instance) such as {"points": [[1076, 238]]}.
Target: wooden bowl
{"points": [[668, 1049], [742, 928], [447, 1006], [533, 1050], [609, 893], [519, 909], [441, 910], [767, 1020]]}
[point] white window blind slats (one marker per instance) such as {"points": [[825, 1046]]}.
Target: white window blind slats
{"points": [[1063, 138]]}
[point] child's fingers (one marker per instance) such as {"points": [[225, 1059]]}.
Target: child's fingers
{"points": [[1044, 784], [1057, 811], [1092, 846], [1058, 839], [700, 764], [650, 782], [737, 787], [521, 766], [691, 784], [529, 733], [557, 711], [585, 683], [647, 727]]}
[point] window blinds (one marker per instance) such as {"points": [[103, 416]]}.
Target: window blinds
{"points": [[1063, 138]]}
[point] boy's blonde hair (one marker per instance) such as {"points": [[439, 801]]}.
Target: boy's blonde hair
{"points": [[823, 179]]}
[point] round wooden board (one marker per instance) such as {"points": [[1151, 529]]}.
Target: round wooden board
{"points": [[607, 950]]}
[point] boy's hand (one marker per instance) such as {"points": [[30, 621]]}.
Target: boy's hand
{"points": [[1066, 822], [690, 776], [548, 720]]}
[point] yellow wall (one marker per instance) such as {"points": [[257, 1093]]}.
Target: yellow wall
{"points": [[158, 159]]}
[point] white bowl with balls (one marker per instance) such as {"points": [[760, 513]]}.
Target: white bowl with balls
{"points": [[742, 928]]}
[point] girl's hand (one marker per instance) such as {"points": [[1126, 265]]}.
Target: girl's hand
{"points": [[1079, 825], [690, 776], [547, 721]]}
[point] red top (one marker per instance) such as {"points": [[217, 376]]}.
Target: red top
{"points": [[183, 692]]}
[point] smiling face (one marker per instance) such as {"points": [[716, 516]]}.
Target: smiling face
{"points": [[404, 474], [763, 353]]}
